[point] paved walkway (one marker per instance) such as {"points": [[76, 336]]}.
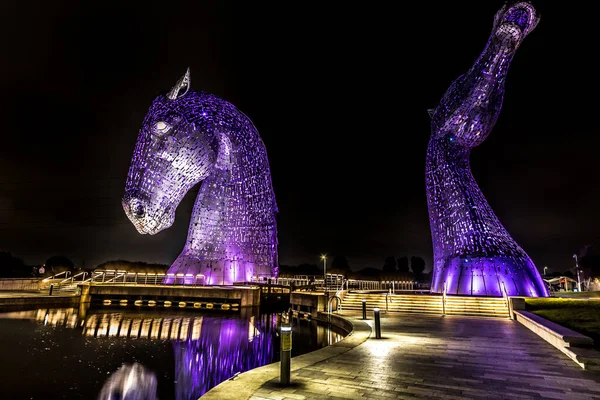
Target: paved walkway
{"points": [[424, 357], [9, 294]]}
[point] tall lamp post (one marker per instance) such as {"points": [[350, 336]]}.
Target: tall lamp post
{"points": [[545, 268], [577, 267], [324, 258]]}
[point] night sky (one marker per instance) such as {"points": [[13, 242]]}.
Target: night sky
{"points": [[339, 94]]}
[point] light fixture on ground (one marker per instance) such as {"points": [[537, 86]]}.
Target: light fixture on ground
{"points": [[364, 308], [377, 323], [286, 353], [324, 258]]}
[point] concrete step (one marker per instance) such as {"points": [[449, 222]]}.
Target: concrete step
{"points": [[424, 304]]}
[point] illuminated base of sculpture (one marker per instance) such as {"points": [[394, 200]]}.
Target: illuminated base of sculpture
{"points": [[488, 276], [215, 272]]}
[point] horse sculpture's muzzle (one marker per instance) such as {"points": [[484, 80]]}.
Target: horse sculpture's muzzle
{"points": [[515, 22], [146, 218]]}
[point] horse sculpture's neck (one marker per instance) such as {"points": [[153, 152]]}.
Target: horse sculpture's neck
{"points": [[473, 252], [232, 234]]}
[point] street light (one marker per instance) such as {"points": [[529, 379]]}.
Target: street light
{"points": [[545, 268], [324, 258], [577, 267]]}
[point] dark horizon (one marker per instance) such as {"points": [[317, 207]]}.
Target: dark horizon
{"points": [[340, 98]]}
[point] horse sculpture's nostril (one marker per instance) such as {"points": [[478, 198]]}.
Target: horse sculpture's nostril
{"points": [[139, 211], [137, 208]]}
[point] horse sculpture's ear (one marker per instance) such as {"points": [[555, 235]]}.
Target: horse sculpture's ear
{"points": [[183, 83]]}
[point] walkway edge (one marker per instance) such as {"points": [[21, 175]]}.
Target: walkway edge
{"points": [[575, 345], [246, 384]]}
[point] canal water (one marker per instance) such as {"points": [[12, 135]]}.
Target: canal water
{"points": [[70, 353]]}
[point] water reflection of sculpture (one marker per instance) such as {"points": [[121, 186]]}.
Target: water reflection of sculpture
{"points": [[188, 137], [208, 350], [225, 347], [473, 252]]}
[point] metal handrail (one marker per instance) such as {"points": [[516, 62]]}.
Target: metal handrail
{"points": [[145, 278], [508, 303], [72, 278], [55, 276], [444, 299]]}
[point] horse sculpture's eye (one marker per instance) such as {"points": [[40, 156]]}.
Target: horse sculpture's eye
{"points": [[162, 127]]}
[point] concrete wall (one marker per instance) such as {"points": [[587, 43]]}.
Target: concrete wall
{"points": [[41, 301], [337, 320], [247, 296], [310, 303], [20, 283]]}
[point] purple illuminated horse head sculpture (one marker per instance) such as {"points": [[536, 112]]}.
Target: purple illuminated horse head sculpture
{"points": [[188, 137], [473, 252]]}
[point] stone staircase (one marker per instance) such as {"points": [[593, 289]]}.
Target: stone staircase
{"points": [[428, 304]]}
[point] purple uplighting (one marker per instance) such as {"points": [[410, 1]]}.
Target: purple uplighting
{"points": [[188, 137], [473, 252]]}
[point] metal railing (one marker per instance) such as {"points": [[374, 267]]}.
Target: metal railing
{"points": [[57, 276], [117, 277], [337, 282], [507, 300], [444, 299], [387, 285], [80, 277]]}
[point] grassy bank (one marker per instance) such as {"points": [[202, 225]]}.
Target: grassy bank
{"points": [[582, 316], [577, 294]]}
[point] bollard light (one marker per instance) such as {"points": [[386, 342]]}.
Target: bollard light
{"points": [[377, 323], [364, 308], [286, 353]]}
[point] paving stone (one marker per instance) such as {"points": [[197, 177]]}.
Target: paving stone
{"points": [[452, 358]]}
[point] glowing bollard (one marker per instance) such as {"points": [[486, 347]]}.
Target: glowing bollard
{"points": [[286, 353], [364, 305], [377, 323]]}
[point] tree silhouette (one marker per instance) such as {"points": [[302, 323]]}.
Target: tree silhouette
{"points": [[57, 263], [417, 264], [369, 272], [133, 266], [340, 265], [10, 265], [589, 261], [389, 267], [403, 267], [568, 274]]}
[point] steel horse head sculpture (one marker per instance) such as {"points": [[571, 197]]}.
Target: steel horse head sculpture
{"points": [[473, 252], [188, 137]]}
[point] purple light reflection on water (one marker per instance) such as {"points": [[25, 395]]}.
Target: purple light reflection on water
{"points": [[188, 352], [224, 348]]}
